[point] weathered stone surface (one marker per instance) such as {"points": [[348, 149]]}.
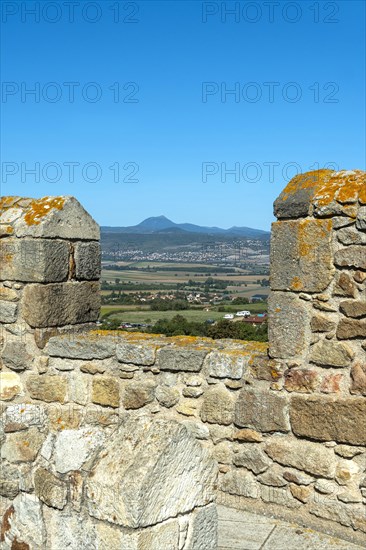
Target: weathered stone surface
{"points": [[327, 487], [331, 383], [218, 406], [303, 455], [47, 388], [359, 277], [301, 493], [228, 364], [34, 260], [61, 304], [296, 199], [24, 528], [329, 419], [246, 434], [136, 354], [8, 312], [342, 221], [87, 258], [294, 476], [352, 256], [22, 446], [252, 457], [350, 235], [347, 451], [138, 394], [361, 219], [351, 328], [105, 391], [288, 324], [301, 380], [21, 416], [264, 368], [240, 482], [346, 471], [176, 359], [75, 449], [329, 353], [56, 217], [192, 392], [321, 323], [297, 249], [358, 375], [262, 411], [168, 397], [273, 477], [81, 346], [151, 463], [50, 489], [202, 533], [8, 294], [353, 308], [10, 385], [345, 286], [15, 356]]}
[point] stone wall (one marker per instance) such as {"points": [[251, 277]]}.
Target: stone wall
{"points": [[285, 425]]}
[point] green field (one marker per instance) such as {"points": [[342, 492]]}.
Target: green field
{"points": [[129, 315]]}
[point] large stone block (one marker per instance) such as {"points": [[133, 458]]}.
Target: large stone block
{"points": [[298, 248], [177, 359], [23, 527], [47, 388], [135, 354], [303, 455], [22, 446], [228, 364], [81, 346], [34, 260], [87, 258], [329, 353], [289, 325], [351, 328], [53, 217], [8, 312], [61, 304], [15, 356], [296, 199], [352, 256], [202, 533], [218, 406], [262, 411], [329, 419], [75, 448], [149, 471]]}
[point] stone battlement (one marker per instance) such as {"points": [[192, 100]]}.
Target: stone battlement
{"points": [[278, 428]]}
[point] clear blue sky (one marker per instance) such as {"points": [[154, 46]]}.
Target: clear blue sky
{"points": [[173, 129]]}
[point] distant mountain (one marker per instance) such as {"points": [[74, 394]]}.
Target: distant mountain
{"points": [[158, 224]]}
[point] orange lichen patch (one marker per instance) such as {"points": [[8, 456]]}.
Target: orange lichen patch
{"points": [[39, 208], [327, 185], [344, 186], [7, 202], [309, 180], [296, 284], [319, 230]]}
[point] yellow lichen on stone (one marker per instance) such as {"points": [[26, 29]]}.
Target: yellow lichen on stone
{"points": [[39, 208], [296, 284], [7, 202], [344, 186], [309, 180]]}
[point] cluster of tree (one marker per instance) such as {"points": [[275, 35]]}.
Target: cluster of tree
{"points": [[168, 305], [179, 325]]}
